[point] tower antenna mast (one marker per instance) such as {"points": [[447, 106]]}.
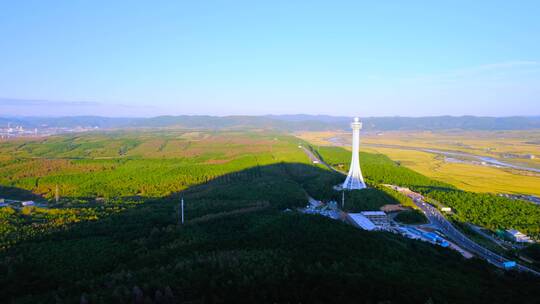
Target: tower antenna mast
{"points": [[355, 180]]}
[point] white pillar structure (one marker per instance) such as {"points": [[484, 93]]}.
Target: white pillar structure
{"points": [[354, 180]]}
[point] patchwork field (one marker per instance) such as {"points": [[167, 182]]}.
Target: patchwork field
{"points": [[144, 164], [511, 146]]}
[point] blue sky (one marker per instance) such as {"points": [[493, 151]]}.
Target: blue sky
{"points": [[377, 58]]}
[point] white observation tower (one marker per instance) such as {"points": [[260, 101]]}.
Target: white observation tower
{"points": [[354, 180]]}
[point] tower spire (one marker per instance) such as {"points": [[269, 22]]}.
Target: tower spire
{"points": [[354, 179]]}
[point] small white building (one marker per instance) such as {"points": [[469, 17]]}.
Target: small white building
{"points": [[518, 237], [313, 203], [379, 218], [360, 221], [28, 203]]}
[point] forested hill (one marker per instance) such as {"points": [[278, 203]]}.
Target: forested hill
{"points": [[284, 122]]}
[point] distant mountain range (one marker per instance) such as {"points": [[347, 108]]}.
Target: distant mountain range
{"points": [[283, 122]]}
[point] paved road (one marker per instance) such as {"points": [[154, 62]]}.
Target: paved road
{"points": [[436, 218], [314, 157], [487, 236], [311, 155], [461, 240]]}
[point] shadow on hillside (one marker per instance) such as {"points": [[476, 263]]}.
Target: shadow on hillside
{"points": [[15, 193], [95, 236], [277, 186], [137, 240]]}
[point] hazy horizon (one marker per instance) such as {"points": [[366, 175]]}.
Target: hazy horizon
{"points": [[48, 104]]}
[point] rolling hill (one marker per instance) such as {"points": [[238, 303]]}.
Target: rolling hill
{"points": [[283, 122]]}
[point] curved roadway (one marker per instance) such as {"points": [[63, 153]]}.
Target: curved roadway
{"points": [[448, 229], [463, 241]]}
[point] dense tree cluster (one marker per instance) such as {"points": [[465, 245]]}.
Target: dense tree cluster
{"points": [[411, 217], [491, 211]]}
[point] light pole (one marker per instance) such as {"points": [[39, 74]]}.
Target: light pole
{"points": [[182, 207], [57, 194]]}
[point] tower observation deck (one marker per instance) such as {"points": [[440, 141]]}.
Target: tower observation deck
{"points": [[354, 180]]}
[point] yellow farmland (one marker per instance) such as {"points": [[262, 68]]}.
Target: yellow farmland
{"points": [[464, 176]]}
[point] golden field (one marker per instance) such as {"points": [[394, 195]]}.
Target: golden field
{"points": [[465, 176], [510, 146]]}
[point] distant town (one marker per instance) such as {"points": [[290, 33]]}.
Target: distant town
{"points": [[14, 131]]}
